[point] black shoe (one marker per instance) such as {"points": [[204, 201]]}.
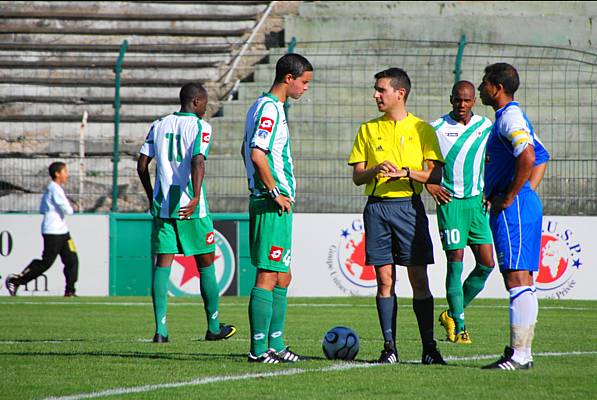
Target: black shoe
{"points": [[389, 355], [157, 338], [507, 363], [11, 285], [226, 332], [287, 356], [431, 355], [70, 294], [269, 357]]}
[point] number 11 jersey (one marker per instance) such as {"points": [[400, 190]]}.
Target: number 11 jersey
{"points": [[174, 140]]}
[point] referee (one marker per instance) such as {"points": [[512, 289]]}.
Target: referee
{"points": [[388, 156]]}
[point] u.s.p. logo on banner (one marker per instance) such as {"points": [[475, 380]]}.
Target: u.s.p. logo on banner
{"points": [[560, 259]]}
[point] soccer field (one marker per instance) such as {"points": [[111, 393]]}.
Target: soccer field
{"points": [[82, 348]]}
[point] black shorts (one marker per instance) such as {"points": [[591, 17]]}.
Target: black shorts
{"points": [[397, 232]]}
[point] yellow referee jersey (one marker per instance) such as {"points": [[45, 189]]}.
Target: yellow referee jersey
{"points": [[406, 143]]}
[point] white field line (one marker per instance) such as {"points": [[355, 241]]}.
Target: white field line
{"points": [[286, 372], [244, 304]]}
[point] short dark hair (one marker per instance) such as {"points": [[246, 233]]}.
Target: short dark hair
{"points": [[398, 79], [55, 167], [461, 84], [191, 90], [293, 64], [503, 74]]}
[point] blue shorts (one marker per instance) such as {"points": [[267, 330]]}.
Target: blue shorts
{"points": [[517, 233], [397, 232]]}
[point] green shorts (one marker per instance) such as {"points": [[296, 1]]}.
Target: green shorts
{"points": [[463, 222], [183, 236], [270, 235]]}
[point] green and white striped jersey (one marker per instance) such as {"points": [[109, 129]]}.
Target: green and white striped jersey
{"points": [[463, 148], [266, 128], [174, 140]]}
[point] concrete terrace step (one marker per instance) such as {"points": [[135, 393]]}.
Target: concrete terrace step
{"points": [[168, 28], [102, 10], [106, 82], [169, 48], [94, 63], [84, 90], [116, 39]]}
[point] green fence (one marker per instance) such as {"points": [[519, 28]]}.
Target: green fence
{"points": [[557, 92]]}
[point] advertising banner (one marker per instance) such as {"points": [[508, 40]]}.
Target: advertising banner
{"points": [[21, 242], [328, 259], [185, 277]]}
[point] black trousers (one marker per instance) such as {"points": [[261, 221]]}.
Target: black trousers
{"points": [[55, 245]]}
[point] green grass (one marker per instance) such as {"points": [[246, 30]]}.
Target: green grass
{"points": [[60, 347]]}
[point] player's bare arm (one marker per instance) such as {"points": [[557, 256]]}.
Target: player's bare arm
{"points": [[197, 174], [143, 172], [522, 173], [537, 175], [439, 193], [362, 175], [432, 174], [259, 159]]}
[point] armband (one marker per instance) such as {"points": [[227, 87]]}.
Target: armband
{"points": [[275, 192]]}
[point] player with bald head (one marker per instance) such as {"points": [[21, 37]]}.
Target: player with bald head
{"points": [[182, 224], [461, 216]]}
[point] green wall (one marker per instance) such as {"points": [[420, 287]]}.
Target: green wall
{"points": [[131, 261]]}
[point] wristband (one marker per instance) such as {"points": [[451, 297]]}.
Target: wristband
{"points": [[407, 171], [275, 192]]}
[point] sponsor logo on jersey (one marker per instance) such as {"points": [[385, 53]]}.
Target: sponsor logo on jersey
{"points": [[184, 276], [560, 259], [267, 124], [205, 136], [452, 134], [275, 253], [346, 262], [379, 148], [262, 133]]}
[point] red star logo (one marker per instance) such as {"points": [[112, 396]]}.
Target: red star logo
{"points": [[190, 268]]}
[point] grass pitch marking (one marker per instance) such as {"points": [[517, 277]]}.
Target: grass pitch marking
{"points": [[286, 372]]}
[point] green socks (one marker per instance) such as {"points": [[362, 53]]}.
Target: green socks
{"points": [[260, 317], [159, 295], [276, 328], [454, 294], [210, 292], [475, 282]]}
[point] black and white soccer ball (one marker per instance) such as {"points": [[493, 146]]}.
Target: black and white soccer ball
{"points": [[340, 343]]}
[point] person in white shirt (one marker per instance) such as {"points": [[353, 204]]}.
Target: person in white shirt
{"points": [[57, 241]]}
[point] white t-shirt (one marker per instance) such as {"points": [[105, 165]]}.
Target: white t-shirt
{"points": [[54, 206]]}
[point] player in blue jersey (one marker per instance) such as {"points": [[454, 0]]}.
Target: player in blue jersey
{"points": [[513, 153]]}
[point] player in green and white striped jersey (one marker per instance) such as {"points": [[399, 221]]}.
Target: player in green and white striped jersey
{"points": [[181, 223], [461, 215], [268, 161]]}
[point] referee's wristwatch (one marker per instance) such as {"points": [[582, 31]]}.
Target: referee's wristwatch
{"points": [[407, 171], [275, 192]]}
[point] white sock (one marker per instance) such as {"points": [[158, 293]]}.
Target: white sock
{"points": [[524, 308]]}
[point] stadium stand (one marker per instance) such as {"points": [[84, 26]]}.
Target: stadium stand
{"points": [[57, 61]]}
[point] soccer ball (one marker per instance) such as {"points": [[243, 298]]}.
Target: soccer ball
{"points": [[340, 343]]}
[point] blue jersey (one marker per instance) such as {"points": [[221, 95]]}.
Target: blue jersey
{"points": [[512, 132]]}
